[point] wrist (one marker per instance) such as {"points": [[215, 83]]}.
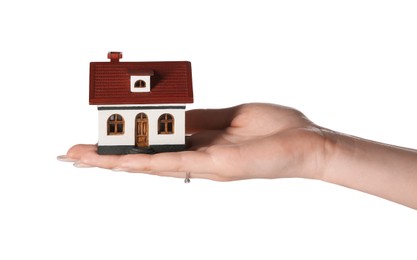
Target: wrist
{"points": [[335, 146], [319, 151]]}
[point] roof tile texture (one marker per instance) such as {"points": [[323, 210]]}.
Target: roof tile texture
{"points": [[170, 84]]}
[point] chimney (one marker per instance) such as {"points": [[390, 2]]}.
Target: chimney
{"points": [[114, 56]]}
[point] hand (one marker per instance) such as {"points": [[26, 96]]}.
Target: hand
{"points": [[271, 141], [242, 142]]}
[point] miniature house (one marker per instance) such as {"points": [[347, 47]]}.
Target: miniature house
{"points": [[141, 105]]}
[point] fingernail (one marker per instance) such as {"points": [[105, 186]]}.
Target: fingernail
{"points": [[64, 158], [82, 165]]}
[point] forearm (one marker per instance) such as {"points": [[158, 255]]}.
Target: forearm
{"points": [[385, 171]]}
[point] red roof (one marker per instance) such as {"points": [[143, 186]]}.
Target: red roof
{"points": [[171, 82]]}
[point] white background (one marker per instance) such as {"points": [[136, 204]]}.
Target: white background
{"points": [[348, 65]]}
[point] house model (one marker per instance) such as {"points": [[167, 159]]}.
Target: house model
{"points": [[141, 105]]}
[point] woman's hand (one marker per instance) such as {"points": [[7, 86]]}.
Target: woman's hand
{"points": [[242, 142], [271, 141]]}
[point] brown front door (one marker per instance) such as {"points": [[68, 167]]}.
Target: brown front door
{"points": [[142, 130]]}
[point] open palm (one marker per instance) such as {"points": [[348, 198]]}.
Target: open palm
{"points": [[242, 142]]}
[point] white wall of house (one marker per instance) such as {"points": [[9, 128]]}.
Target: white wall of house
{"points": [[129, 116]]}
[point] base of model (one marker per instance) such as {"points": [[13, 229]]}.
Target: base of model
{"points": [[127, 149]]}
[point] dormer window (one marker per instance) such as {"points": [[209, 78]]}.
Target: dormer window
{"points": [[140, 80], [140, 84]]}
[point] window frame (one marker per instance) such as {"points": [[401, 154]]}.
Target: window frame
{"points": [[167, 121], [117, 122]]}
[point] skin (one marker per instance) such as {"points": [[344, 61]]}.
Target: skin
{"points": [[271, 141]]}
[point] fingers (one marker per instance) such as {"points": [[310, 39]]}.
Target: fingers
{"points": [[188, 161], [78, 150], [164, 164], [209, 119], [193, 175]]}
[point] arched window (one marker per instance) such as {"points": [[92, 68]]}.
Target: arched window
{"points": [[166, 124], [140, 84], [115, 125]]}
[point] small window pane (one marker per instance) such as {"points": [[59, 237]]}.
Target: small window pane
{"points": [[161, 127], [111, 128], [120, 128]]}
